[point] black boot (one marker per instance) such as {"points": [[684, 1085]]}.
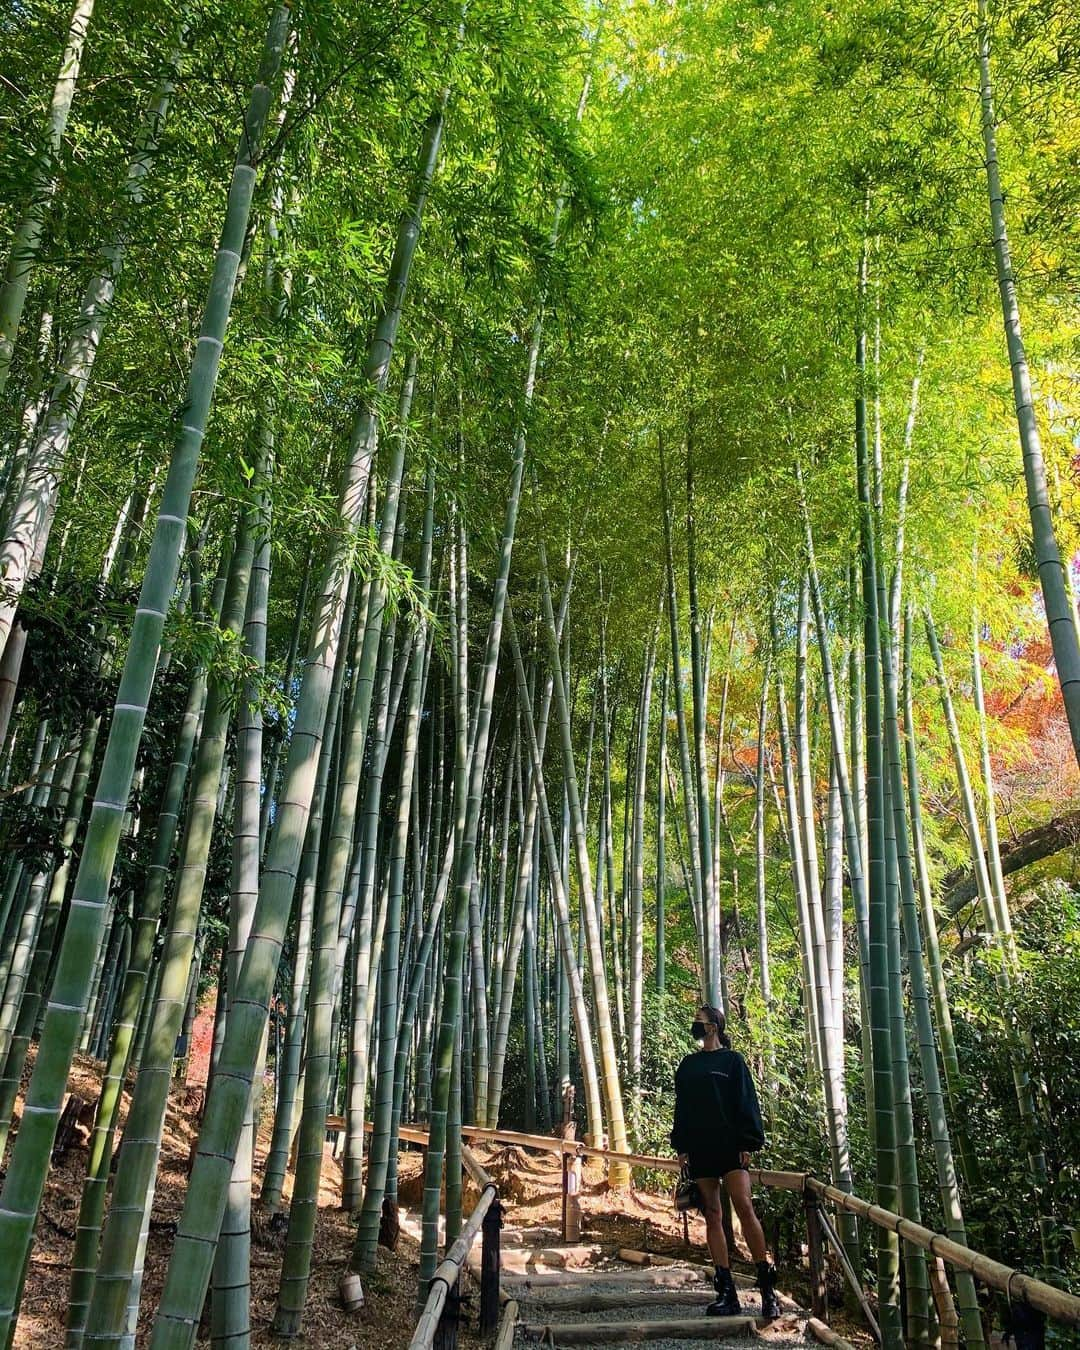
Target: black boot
{"points": [[766, 1282], [727, 1304]]}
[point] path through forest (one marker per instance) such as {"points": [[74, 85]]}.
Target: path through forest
{"points": [[553, 1284], [631, 1278]]}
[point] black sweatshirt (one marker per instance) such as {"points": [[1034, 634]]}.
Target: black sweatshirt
{"points": [[716, 1104]]}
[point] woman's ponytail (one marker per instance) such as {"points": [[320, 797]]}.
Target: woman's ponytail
{"points": [[716, 1016]]}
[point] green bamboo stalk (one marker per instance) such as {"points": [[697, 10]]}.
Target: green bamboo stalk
{"points": [[37, 980], [147, 913], [479, 1040], [897, 862], [44, 177], [522, 881], [761, 884], [1056, 590], [288, 675], [114, 970], [879, 1000], [833, 901], [119, 1260], [715, 990], [419, 972], [1021, 1081], [285, 1117], [231, 1302], [25, 1181], [927, 1049], [189, 1268], [605, 864], [998, 899], [543, 1093], [296, 1266], [383, 1138], [637, 859], [26, 527], [852, 833], [661, 843], [501, 936], [52, 793], [367, 928], [798, 868], [609, 1065], [34, 396], [582, 1024], [969, 1166], [830, 1047], [692, 855], [471, 764], [331, 926]]}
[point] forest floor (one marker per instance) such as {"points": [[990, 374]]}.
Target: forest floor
{"points": [[529, 1188]]}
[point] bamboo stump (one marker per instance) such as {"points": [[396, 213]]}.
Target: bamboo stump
{"points": [[571, 1198]]}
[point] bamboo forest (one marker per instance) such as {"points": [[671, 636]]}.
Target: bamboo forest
{"points": [[526, 527]]}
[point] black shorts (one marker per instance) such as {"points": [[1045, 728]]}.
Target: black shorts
{"points": [[713, 1162]]}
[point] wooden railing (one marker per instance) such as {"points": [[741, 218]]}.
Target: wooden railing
{"points": [[1055, 1303], [439, 1320]]}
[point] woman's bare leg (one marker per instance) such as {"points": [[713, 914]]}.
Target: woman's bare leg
{"points": [[714, 1220], [737, 1185]]}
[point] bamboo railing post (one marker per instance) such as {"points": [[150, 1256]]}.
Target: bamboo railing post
{"points": [[571, 1197], [565, 1197], [490, 1257], [819, 1304], [849, 1273], [943, 1302]]}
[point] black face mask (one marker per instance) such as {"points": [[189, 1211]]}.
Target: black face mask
{"points": [[698, 1030]]}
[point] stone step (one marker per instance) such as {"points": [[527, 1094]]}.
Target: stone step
{"points": [[621, 1333]]}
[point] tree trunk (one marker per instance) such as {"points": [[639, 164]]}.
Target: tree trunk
{"points": [[1056, 590], [25, 1180]]}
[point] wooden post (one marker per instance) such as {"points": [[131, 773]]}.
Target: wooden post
{"points": [[818, 1301], [490, 1250], [445, 1337]]}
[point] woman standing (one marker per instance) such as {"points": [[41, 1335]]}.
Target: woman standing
{"points": [[717, 1126]]}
